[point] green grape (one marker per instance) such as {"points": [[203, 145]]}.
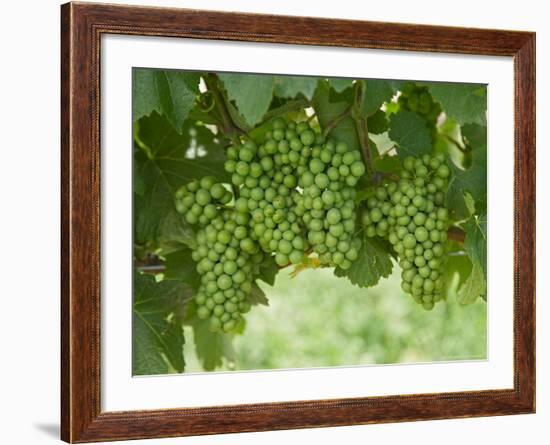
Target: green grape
{"points": [[226, 271], [294, 195], [200, 201], [305, 180], [409, 213]]}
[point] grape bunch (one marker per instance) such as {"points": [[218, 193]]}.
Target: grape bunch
{"points": [[292, 194], [327, 204], [227, 259], [199, 201], [266, 180], [299, 191], [411, 215]]}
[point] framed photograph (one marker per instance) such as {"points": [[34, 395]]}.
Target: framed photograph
{"points": [[275, 222]]}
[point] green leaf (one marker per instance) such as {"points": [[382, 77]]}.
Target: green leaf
{"points": [[211, 347], [376, 93], [475, 242], [252, 94], [470, 203], [397, 84], [205, 117], [387, 164], [181, 267], [475, 135], [392, 108], [339, 84], [257, 296], [175, 233], [328, 107], [377, 123], [408, 130], [157, 336], [474, 179], [466, 103], [268, 270], [237, 117], [456, 203], [167, 160], [288, 87], [456, 270], [374, 262], [291, 109], [346, 132], [383, 143], [170, 93], [473, 287]]}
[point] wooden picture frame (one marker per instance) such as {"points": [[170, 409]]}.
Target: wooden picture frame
{"points": [[82, 26]]}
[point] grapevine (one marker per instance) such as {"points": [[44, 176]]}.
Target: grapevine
{"points": [[238, 176], [295, 196], [299, 190], [411, 215]]}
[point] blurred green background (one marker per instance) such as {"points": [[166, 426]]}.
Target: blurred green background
{"points": [[317, 320]]}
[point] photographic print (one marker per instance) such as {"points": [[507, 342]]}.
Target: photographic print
{"points": [[295, 222], [297, 235]]}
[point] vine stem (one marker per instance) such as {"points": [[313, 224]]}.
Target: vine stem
{"points": [[456, 234], [334, 122], [363, 133], [361, 125]]}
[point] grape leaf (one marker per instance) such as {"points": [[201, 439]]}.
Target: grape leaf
{"points": [[268, 270], [473, 287], [174, 233], [237, 117], [387, 164], [474, 179], [288, 87], [383, 143], [326, 106], [346, 132], [166, 161], [198, 113], [466, 103], [146, 357], [376, 93], [252, 94], [475, 135], [157, 338], [397, 84], [339, 84], [374, 262], [291, 109], [377, 122], [257, 296], [329, 107], [475, 242], [211, 347], [181, 267], [392, 108], [456, 203], [456, 270], [408, 130], [168, 92]]}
